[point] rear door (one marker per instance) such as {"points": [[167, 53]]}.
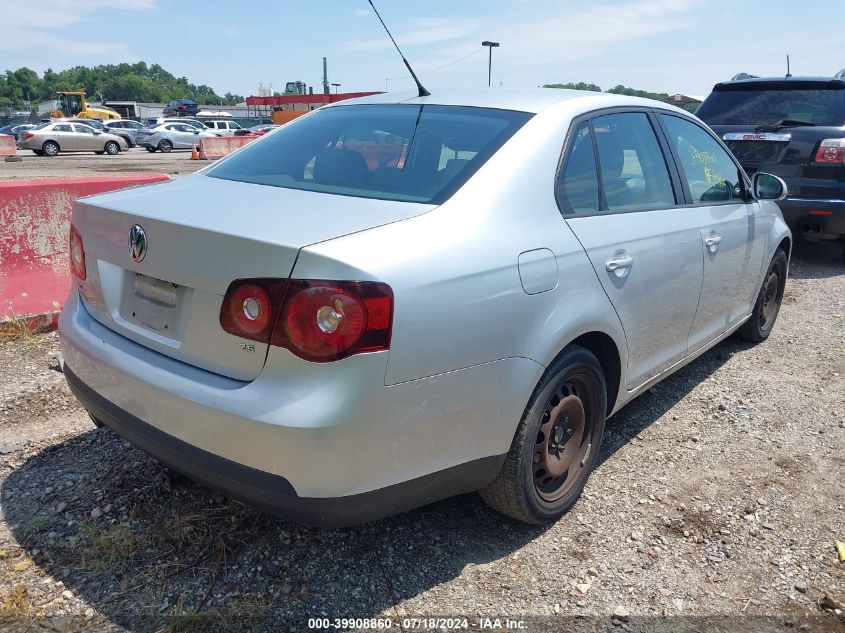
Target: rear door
{"points": [[618, 195], [63, 133], [732, 236]]}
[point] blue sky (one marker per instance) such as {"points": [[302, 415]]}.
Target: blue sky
{"points": [[662, 45]]}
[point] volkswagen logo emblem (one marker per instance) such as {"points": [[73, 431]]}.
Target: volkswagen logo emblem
{"points": [[137, 243]]}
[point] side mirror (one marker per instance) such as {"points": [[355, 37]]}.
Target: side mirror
{"points": [[97, 132], [768, 187]]}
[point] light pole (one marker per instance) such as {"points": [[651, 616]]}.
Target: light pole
{"points": [[490, 46], [336, 86]]}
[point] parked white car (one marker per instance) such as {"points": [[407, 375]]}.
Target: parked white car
{"points": [[223, 128]]}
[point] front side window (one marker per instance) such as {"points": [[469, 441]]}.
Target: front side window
{"points": [[633, 170], [413, 153], [710, 173], [577, 188]]}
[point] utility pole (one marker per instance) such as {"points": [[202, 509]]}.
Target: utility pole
{"points": [[490, 46], [325, 77]]}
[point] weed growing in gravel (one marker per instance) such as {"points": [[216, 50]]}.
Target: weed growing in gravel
{"points": [[104, 548], [15, 604]]}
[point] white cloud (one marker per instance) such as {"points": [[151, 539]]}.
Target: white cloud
{"points": [[36, 26], [360, 13], [423, 31]]}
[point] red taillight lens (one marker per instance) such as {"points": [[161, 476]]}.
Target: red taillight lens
{"points": [[28, 135], [77, 254], [316, 320], [831, 152]]}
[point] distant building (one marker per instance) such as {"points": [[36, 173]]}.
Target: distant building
{"points": [[281, 109], [686, 102]]}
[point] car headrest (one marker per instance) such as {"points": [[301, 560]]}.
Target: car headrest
{"points": [[341, 167]]}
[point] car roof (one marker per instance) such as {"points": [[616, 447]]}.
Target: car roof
{"points": [[779, 81], [533, 100]]}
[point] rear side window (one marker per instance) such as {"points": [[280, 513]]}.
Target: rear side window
{"points": [[633, 170], [577, 189], [710, 173], [62, 128], [413, 153], [764, 104]]}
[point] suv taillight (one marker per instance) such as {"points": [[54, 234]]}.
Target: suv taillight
{"points": [[831, 152], [77, 254], [317, 320]]}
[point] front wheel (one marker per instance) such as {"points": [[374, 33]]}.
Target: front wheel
{"points": [[50, 148], [758, 327], [112, 148], [556, 444]]}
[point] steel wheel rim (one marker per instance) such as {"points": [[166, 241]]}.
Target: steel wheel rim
{"points": [[769, 303], [51, 150], [564, 440]]}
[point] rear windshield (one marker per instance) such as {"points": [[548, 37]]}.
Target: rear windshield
{"points": [[412, 153], [760, 105]]}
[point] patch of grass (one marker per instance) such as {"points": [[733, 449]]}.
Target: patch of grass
{"points": [[103, 548], [41, 525], [192, 622], [20, 329]]}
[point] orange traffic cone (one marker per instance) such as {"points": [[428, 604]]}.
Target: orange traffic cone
{"points": [[195, 155]]}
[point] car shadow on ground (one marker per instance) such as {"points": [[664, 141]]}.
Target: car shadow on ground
{"points": [[816, 260], [162, 555]]}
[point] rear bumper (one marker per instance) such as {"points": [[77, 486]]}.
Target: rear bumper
{"points": [[272, 493], [322, 443], [815, 218]]}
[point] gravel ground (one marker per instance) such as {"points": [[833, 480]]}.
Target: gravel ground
{"points": [[716, 505], [131, 161]]}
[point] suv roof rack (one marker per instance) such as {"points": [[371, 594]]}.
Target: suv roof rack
{"points": [[739, 76], [840, 74]]}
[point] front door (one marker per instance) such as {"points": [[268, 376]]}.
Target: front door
{"points": [[732, 238], [645, 249]]}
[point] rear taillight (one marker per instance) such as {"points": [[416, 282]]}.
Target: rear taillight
{"points": [[28, 135], [77, 254], [831, 152], [316, 320]]}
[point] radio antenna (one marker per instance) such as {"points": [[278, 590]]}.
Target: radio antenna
{"points": [[422, 91], [788, 74]]}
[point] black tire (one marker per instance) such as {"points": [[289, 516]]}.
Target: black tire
{"points": [[759, 325], [100, 153], [165, 146], [151, 149], [38, 152], [50, 148], [112, 148], [573, 386], [96, 422]]}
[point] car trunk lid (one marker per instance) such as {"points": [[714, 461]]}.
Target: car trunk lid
{"points": [[201, 234]]}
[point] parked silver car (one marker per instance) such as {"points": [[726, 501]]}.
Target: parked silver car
{"points": [[51, 138], [126, 129], [169, 136], [392, 300]]}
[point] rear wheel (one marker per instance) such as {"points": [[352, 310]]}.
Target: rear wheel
{"points": [[556, 444], [112, 148], [151, 149], [38, 152], [758, 327], [100, 152], [50, 148], [165, 146]]}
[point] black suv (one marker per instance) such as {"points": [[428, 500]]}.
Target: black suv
{"points": [[793, 127], [181, 107]]}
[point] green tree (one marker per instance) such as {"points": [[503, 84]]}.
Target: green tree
{"points": [[579, 86]]}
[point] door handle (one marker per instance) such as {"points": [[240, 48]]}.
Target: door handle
{"points": [[712, 242], [618, 263]]}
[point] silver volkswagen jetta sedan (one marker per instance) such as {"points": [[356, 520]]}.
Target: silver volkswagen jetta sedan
{"points": [[397, 299]]}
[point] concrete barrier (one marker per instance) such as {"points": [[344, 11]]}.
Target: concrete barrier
{"points": [[34, 223], [8, 147], [213, 147]]}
